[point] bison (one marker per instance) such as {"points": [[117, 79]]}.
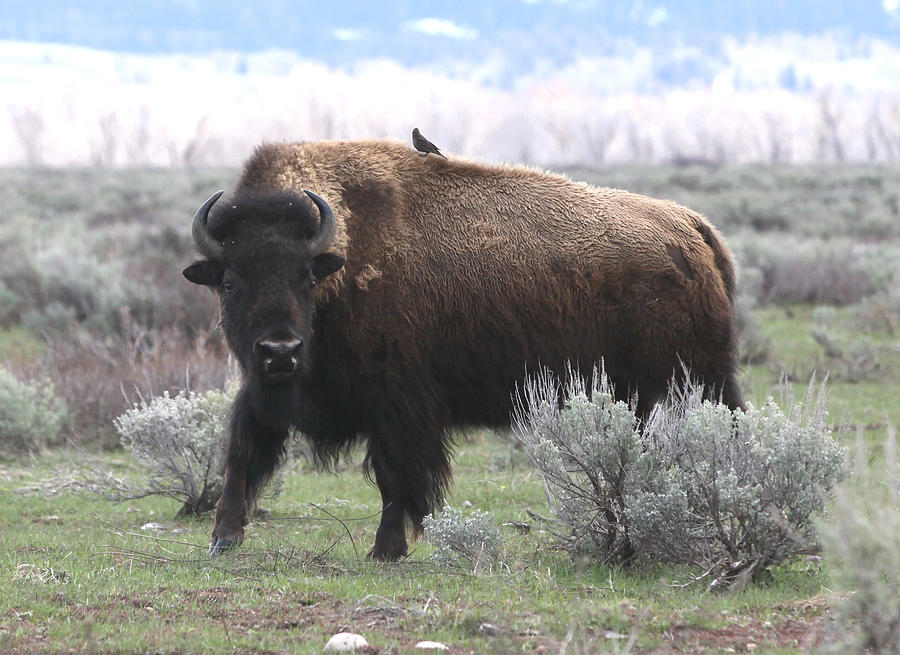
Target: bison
{"points": [[409, 295]]}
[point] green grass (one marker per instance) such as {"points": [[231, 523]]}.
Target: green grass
{"points": [[80, 573], [870, 404], [18, 345]]}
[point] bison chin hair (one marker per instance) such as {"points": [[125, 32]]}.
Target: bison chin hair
{"points": [[272, 405]]}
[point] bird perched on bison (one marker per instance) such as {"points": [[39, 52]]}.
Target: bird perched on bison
{"points": [[368, 297], [423, 145]]}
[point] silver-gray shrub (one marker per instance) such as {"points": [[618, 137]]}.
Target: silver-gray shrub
{"points": [[697, 484], [472, 541], [861, 540], [750, 483], [179, 444], [585, 452], [31, 415]]}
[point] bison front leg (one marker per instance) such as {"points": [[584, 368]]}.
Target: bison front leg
{"points": [[254, 451], [231, 510]]}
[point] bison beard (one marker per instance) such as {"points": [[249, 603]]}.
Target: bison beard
{"points": [[417, 297]]}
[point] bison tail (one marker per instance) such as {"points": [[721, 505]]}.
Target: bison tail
{"points": [[724, 261]]}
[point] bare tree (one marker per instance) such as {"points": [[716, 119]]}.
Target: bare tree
{"points": [[778, 143], [829, 141], [640, 144], [198, 148], [28, 125], [137, 147], [598, 133], [878, 134], [103, 151]]}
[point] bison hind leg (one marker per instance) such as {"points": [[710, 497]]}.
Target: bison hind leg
{"points": [[410, 489], [731, 392]]}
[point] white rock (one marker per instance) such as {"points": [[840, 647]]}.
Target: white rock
{"points": [[152, 526], [346, 641], [432, 645]]}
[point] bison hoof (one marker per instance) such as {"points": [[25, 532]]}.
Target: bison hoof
{"points": [[222, 545], [385, 556], [388, 547]]}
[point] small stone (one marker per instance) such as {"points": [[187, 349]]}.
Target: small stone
{"points": [[751, 646], [152, 526], [432, 645], [612, 634], [489, 629], [346, 641]]}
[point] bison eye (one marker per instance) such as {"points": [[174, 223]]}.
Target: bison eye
{"points": [[227, 285]]}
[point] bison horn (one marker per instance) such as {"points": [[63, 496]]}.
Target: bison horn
{"points": [[204, 241], [327, 226]]}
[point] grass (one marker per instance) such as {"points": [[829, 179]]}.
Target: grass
{"points": [[870, 404], [82, 574], [85, 574], [18, 345]]}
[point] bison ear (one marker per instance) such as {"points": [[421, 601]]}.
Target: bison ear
{"points": [[326, 264], [205, 272]]}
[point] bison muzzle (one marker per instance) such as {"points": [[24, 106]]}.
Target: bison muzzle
{"points": [[417, 296]]}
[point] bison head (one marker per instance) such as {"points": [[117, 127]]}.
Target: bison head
{"points": [[265, 252]]}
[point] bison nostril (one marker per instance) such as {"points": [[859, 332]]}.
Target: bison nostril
{"points": [[279, 356]]}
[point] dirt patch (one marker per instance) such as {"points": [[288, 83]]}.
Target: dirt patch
{"points": [[390, 625], [800, 625]]}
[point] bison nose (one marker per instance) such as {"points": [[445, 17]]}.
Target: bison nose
{"points": [[279, 357]]}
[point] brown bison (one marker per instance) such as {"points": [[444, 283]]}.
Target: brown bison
{"points": [[415, 293]]}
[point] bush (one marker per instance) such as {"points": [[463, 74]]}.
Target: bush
{"points": [[179, 444], [862, 539], [836, 271], [30, 415], [881, 311], [95, 374], [754, 347], [698, 484], [473, 540], [860, 361], [9, 305]]}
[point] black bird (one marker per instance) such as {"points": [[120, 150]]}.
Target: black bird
{"points": [[423, 145]]}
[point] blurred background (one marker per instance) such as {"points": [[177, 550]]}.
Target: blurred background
{"points": [[552, 82], [778, 119]]}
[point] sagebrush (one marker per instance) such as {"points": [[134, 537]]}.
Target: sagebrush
{"points": [[31, 414], [862, 540], [179, 443], [472, 541], [734, 491]]}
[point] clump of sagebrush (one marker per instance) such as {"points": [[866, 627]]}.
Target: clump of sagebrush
{"points": [[179, 443], [31, 415], [473, 540], [585, 452], [861, 537], [733, 491], [859, 361], [881, 311]]}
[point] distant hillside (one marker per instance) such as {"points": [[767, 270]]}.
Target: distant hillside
{"points": [[516, 36]]}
